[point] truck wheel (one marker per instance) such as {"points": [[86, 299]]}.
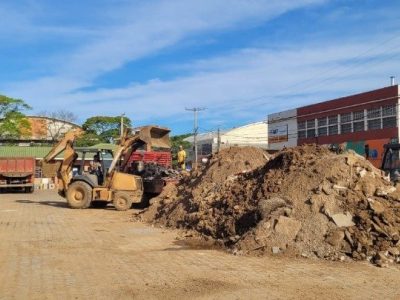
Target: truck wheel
{"points": [[79, 195], [122, 201]]}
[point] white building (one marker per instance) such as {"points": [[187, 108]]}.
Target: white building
{"points": [[254, 134], [282, 129]]}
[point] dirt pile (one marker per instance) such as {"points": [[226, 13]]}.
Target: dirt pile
{"points": [[304, 201]]}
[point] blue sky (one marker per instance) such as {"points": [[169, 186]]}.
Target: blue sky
{"points": [[151, 59]]}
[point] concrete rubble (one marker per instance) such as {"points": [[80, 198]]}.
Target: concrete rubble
{"points": [[305, 201]]}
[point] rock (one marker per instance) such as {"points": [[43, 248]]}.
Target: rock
{"points": [[236, 207], [339, 187], [335, 238], [343, 220], [276, 250], [394, 251], [381, 260], [376, 206], [362, 173], [287, 227], [380, 192], [267, 206], [326, 188]]}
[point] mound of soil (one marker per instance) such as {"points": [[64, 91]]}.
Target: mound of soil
{"points": [[304, 201]]}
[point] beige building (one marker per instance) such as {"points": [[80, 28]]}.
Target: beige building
{"points": [[45, 128]]}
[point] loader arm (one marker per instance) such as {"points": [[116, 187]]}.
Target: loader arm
{"points": [[151, 136], [66, 145]]}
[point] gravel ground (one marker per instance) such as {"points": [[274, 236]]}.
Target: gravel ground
{"points": [[49, 251]]}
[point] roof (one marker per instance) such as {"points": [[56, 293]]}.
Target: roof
{"points": [[54, 119], [105, 146], [25, 151], [37, 152]]}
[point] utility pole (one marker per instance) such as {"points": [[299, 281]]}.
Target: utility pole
{"points": [[122, 125], [218, 140], [195, 110]]}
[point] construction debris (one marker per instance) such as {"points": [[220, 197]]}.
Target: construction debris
{"points": [[305, 201]]}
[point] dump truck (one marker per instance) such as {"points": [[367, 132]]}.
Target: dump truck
{"points": [[113, 183], [17, 173]]}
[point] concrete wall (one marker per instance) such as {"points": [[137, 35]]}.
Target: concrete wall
{"points": [[282, 129]]}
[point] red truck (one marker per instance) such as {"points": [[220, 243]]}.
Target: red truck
{"points": [[17, 173]]}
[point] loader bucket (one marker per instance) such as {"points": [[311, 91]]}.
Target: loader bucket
{"points": [[155, 137]]}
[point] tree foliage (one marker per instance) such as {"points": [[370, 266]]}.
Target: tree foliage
{"points": [[106, 128], [88, 139], [13, 122]]}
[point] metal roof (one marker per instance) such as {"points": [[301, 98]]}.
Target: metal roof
{"points": [[25, 151]]}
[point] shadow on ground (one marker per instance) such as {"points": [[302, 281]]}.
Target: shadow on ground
{"points": [[49, 203]]}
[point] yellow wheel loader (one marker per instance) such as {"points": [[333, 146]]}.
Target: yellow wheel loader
{"points": [[112, 183]]}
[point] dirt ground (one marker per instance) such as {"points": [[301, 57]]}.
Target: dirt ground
{"points": [[49, 251]]}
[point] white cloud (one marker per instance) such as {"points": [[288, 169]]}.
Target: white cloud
{"points": [[232, 86], [228, 85]]}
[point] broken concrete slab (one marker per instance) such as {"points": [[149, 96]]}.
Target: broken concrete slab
{"points": [[343, 220], [335, 238], [287, 227]]}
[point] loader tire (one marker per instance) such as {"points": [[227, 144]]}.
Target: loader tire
{"points": [[79, 195], [122, 201]]}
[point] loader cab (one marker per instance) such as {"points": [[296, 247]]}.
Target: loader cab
{"points": [[391, 161], [87, 155]]}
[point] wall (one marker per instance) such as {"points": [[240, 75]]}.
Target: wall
{"points": [[282, 129]]}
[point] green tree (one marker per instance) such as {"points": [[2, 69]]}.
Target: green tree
{"points": [[105, 127], [13, 122], [88, 139]]}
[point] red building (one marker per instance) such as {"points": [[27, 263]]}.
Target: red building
{"points": [[370, 118]]}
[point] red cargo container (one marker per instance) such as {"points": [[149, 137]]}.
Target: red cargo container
{"points": [[17, 173], [161, 158]]}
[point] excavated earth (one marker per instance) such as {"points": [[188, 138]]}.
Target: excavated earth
{"points": [[304, 201]]}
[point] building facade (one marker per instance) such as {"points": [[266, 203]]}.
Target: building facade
{"points": [[253, 134], [362, 122], [282, 129], [50, 129]]}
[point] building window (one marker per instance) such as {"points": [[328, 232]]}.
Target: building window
{"points": [[322, 122], [345, 118], [389, 110], [374, 124], [389, 122], [345, 128], [332, 130], [358, 126], [301, 134], [332, 120], [374, 113], [311, 133], [358, 115], [310, 124], [322, 131], [301, 125]]}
